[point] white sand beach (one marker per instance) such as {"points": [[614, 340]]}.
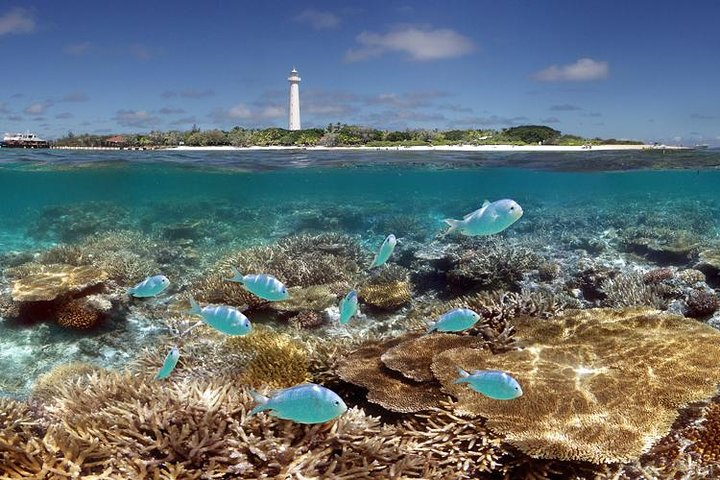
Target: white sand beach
{"points": [[449, 148]]}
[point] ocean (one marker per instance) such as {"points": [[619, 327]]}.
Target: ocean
{"points": [[637, 232]]}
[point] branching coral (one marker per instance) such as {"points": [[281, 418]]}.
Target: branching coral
{"points": [[50, 383], [630, 290], [307, 319], [491, 265], [303, 260], [599, 385], [124, 426]]}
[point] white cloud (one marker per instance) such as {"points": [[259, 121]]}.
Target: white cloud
{"points": [[75, 97], [132, 118], [584, 69], [239, 111], [319, 20], [418, 43], [37, 108], [77, 49], [17, 21]]}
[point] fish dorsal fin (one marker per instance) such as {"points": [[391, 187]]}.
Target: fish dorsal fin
{"points": [[479, 211]]}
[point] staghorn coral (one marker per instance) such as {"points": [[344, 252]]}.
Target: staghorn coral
{"points": [[269, 358], [631, 290], [49, 384], [45, 283], [452, 447], [387, 388], [299, 261], [491, 265], [122, 426], [413, 357], [386, 296], [599, 385]]}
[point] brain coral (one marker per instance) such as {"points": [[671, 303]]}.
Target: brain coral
{"points": [[600, 385]]}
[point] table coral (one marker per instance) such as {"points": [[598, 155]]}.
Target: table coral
{"points": [[599, 385], [50, 282], [388, 388]]}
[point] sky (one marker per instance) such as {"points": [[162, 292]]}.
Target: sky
{"points": [[647, 70]]}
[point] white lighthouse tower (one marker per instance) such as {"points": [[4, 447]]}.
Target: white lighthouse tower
{"points": [[294, 101]]}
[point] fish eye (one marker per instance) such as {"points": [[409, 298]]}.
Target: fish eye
{"points": [[512, 208], [337, 403]]}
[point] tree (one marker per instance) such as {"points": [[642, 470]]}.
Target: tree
{"points": [[532, 133]]}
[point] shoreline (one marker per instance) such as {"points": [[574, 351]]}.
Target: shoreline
{"points": [[443, 148]]}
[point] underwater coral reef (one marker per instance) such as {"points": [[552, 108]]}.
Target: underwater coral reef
{"points": [[606, 316]]}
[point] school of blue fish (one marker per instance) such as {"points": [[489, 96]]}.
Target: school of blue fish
{"points": [[310, 403]]}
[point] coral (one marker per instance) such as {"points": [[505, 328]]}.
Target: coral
{"points": [[386, 387], [709, 264], [453, 447], [69, 223], [599, 385], [658, 275], [117, 426], [307, 320], [413, 357], [49, 384], [77, 314], [50, 282], [690, 276], [269, 358], [662, 245], [701, 304], [491, 265], [386, 296], [302, 260], [315, 297], [629, 290]]}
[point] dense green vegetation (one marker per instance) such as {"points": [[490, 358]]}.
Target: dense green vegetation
{"points": [[334, 135]]}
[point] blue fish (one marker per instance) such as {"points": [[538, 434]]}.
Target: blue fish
{"points": [[385, 251], [263, 285], [494, 384], [455, 320], [223, 318], [489, 219], [348, 307], [150, 287], [169, 364], [306, 403]]}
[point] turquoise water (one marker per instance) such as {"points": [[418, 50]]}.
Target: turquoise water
{"points": [[589, 215]]}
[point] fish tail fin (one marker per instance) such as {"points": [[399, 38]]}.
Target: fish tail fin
{"points": [[463, 376], [454, 225], [194, 307], [237, 276], [431, 325], [261, 401]]}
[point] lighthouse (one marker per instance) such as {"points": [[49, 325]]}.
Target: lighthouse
{"points": [[294, 101]]}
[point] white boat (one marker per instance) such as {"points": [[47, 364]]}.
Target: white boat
{"points": [[23, 140]]}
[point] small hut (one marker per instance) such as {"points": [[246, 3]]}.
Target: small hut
{"points": [[118, 141]]}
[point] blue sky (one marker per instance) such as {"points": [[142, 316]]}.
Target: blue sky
{"points": [[626, 69]]}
